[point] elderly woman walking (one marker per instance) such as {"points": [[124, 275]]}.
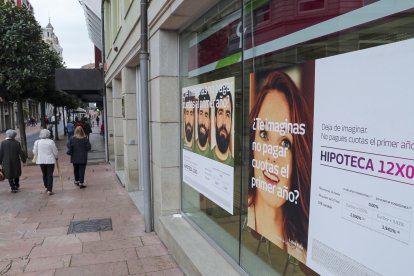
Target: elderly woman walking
{"points": [[78, 147], [46, 155], [11, 155]]}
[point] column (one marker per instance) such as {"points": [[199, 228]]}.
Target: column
{"points": [[110, 118], [164, 124], [129, 92], [118, 129]]}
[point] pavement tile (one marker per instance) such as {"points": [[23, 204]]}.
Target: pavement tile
{"points": [[11, 220], [106, 269], [49, 217], [150, 240], [88, 237], [105, 245], [11, 236], [49, 251], [17, 266], [61, 240], [151, 251], [46, 232], [17, 248], [18, 227], [37, 273], [44, 212], [104, 257], [151, 264], [168, 272], [4, 266], [54, 223], [122, 234], [40, 264]]}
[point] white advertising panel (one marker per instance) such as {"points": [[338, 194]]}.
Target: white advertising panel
{"points": [[208, 131], [362, 192]]}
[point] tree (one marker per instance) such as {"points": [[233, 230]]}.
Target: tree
{"points": [[25, 59]]}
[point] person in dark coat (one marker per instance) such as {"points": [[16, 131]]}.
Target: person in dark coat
{"points": [[11, 156], [78, 147]]}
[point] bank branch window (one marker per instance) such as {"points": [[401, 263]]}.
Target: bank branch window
{"points": [[322, 141]]}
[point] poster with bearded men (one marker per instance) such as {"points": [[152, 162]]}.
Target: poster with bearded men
{"points": [[207, 140]]}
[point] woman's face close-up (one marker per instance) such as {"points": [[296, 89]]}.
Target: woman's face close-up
{"points": [[275, 108]]}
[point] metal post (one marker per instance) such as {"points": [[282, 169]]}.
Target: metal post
{"points": [[143, 116], [105, 114]]}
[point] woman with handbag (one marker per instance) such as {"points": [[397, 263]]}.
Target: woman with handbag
{"points": [[78, 147], [46, 154], [11, 155]]}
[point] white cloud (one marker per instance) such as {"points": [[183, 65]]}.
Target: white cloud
{"points": [[68, 20]]}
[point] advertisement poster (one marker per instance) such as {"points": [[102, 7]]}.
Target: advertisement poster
{"points": [[362, 193], [280, 156], [208, 131]]}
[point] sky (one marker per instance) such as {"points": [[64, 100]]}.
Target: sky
{"points": [[68, 20]]}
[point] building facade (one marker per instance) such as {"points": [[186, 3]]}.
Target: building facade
{"points": [[49, 36], [280, 132]]}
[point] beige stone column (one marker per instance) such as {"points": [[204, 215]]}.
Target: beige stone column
{"points": [[118, 129], [129, 124], [164, 124], [110, 123]]}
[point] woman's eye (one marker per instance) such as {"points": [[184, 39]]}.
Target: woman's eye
{"points": [[263, 134], [286, 144]]}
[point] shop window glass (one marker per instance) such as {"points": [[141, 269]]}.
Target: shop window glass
{"points": [[267, 252], [211, 82]]}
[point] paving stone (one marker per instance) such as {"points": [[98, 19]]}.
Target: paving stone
{"points": [[168, 272], [11, 236], [152, 264], [37, 273], [40, 264], [46, 232], [105, 245], [49, 251], [18, 227], [149, 240], [104, 257], [106, 269], [54, 223], [151, 251], [88, 237], [17, 248]]}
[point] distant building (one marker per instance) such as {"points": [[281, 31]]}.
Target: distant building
{"points": [[51, 38], [88, 66]]}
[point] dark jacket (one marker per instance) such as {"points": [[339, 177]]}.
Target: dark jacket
{"points": [[79, 149], [11, 154]]}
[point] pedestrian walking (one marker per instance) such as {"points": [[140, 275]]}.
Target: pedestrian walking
{"points": [[97, 121], [11, 156], [78, 147], [86, 127], [46, 155], [70, 128], [50, 129]]}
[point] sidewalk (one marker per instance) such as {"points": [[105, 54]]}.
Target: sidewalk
{"points": [[34, 227]]}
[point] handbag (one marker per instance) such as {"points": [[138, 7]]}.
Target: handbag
{"points": [[34, 160], [2, 177], [70, 149]]}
